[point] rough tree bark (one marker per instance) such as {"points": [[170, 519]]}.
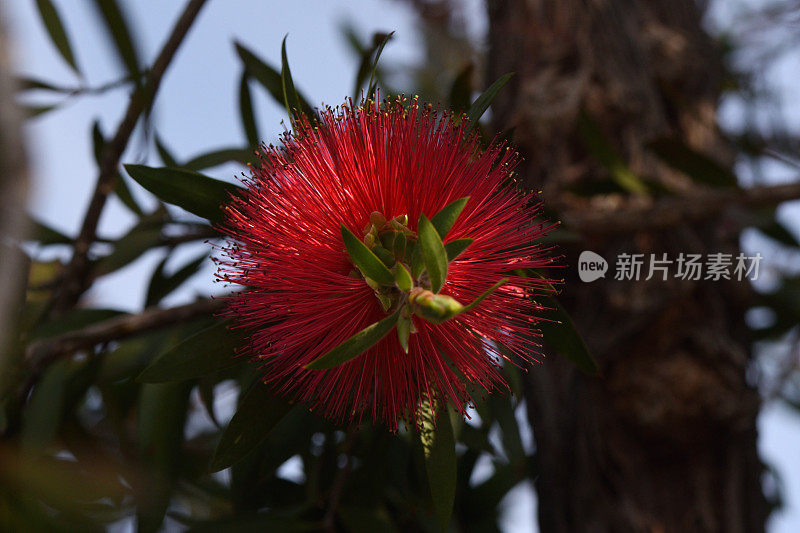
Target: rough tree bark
{"points": [[666, 439]]}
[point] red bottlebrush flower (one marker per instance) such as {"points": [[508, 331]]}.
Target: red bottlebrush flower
{"points": [[371, 173]]}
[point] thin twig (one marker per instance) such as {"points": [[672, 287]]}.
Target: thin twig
{"points": [[672, 211], [74, 278], [41, 353]]}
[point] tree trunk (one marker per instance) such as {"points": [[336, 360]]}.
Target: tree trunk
{"points": [[13, 196], [666, 439]]}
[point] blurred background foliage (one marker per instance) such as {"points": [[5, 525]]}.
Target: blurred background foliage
{"points": [[111, 418]]}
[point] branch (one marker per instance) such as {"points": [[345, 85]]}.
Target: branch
{"points": [[672, 211], [42, 352], [74, 278]]}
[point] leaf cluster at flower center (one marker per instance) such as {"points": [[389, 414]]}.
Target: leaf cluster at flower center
{"points": [[406, 270]]}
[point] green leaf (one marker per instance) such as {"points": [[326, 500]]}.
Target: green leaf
{"points": [[482, 103], [402, 277], [259, 411], [219, 157], [461, 90], [120, 185], [162, 285], [404, 331], [246, 111], [373, 84], [366, 261], [72, 320], [269, 78], [399, 246], [564, 337], [207, 351], [164, 153], [443, 220], [42, 418], [118, 29], [433, 254], [417, 266], [144, 236], [198, 194], [32, 111], [355, 345], [457, 247], [55, 28], [701, 168], [125, 196], [295, 106], [365, 53], [604, 152], [438, 445], [25, 83], [44, 234], [161, 418]]}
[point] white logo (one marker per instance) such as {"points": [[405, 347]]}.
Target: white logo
{"points": [[591, 266]]}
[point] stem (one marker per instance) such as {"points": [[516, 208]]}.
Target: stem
{"points": [[41, 353], [672, 211], [74, 279]]}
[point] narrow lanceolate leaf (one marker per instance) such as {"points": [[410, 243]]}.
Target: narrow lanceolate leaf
{"points": [[482, 103], [483, 296], [204, 352], [165, 153], [55, 28], [461, 90], [438, 445], [294, 106], [194, 192], [259, 411], [44, 234], [120, 186], [456, 247], [443, 220], [246, 112], [404, 331], [355, 345], [562, 335], [162, 414], [373, 82], [120, 33], [269, 78], [219, 157], [433, 254], [162, 285], [366, 261], [366, 62], [144, 236], [402, 277]]}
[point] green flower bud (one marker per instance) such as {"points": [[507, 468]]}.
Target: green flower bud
{"points": [[384, 255], [435, 308], [377, 218]]}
